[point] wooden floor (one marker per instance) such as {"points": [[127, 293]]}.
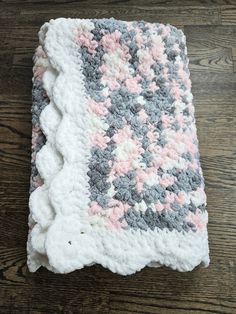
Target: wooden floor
{"points": [[210, 27]]}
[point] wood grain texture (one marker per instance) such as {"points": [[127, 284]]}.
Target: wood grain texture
{"points": [[210, 28]]}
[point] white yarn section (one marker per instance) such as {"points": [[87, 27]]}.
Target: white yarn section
{"points": [[49, 162], [123, 252], [41, 212], [63, 238]]}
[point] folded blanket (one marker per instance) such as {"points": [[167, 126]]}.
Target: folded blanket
{"points": [[116, 178]]}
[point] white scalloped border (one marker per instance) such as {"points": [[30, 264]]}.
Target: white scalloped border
{"points": [[63, 239]]}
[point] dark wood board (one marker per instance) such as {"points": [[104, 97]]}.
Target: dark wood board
{"points": [[210, 28]]}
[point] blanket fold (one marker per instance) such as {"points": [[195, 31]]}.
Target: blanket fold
{"points": [[116, 177]]}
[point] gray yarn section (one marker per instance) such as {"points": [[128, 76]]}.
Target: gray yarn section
{"points": [[124, 105], [150, 219], [39, 102]]}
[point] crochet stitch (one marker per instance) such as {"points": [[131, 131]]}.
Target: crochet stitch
{"points": [[116, 177]]}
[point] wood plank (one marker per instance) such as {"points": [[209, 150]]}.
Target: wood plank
{"points": [[216, 130], [216, 83], [218, 97], [228, 15], [189, 3], [182, 16], [121, 303], [210, 60], [210, 37], [160, 287], [22, 38], [15, 81]]}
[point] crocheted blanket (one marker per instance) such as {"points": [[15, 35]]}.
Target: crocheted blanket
{"points": [[116, 178]]}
